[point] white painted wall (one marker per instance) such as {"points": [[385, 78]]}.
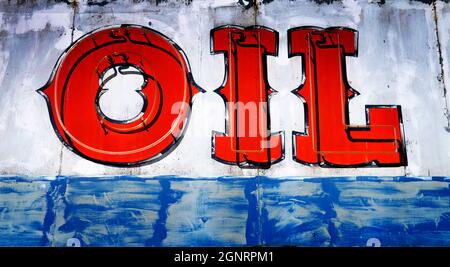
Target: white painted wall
{"points": [[397, 48]]}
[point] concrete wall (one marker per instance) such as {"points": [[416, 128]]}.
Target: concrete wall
{"points": [[48, 194], [403, 58]]}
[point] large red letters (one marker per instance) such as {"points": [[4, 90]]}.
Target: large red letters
{"points": [[72, 96], [248, 141], [76, 85], [329, 139]]}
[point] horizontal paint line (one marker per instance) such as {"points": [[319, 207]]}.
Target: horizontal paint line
{"points": [[17, 178]]}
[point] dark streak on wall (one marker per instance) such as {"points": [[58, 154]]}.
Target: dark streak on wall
{"points": [[246, 3], [441, 65]]}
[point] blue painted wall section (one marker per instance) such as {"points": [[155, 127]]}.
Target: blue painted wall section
{"points": [[225, 211]]}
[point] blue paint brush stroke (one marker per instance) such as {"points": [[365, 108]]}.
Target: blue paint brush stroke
{"points": [[166, 198], [252, 232], [224, 211]]}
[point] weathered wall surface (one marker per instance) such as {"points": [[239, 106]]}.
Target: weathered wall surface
{"points": [[48, 194], [403, 58]]}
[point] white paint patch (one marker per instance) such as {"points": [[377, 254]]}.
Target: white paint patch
{"points": [[121, 98], [354, 8], [55, 17]]}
